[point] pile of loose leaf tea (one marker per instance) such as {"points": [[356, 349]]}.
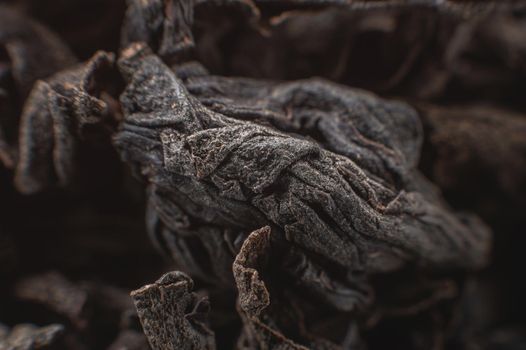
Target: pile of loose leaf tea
{"points": [[262, 174]]}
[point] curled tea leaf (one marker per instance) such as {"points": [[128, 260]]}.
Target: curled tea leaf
{"points": [[172, 316], [54, 115], [330, 169], [28, 52]]}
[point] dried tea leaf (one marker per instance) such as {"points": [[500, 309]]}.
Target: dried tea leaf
{"points": [[172, 316], [164, 24], [30, 337], [56, 293], [54, 115], [28, 52], [254, 297], [331, 169], [475, 147]]}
